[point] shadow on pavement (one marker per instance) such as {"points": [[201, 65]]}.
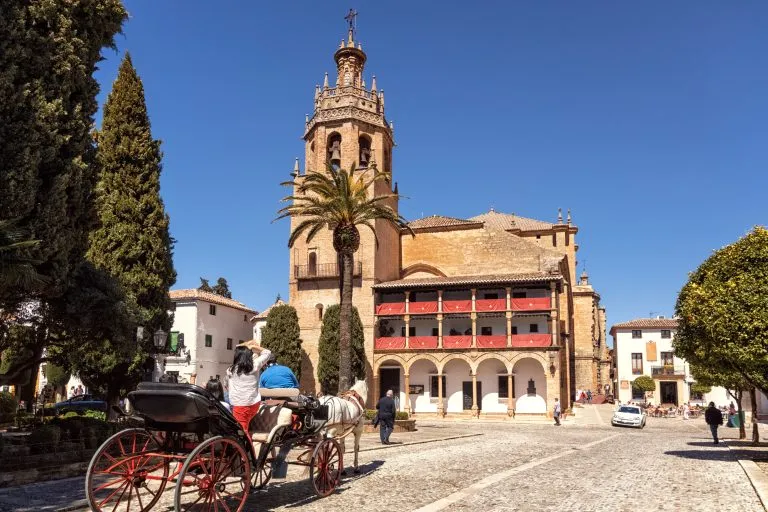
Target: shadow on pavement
{"points": [[299, 493], [719, 452]]}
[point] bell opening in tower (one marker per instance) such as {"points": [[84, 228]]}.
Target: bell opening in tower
{"points": [[365, 150], [334, 151]]}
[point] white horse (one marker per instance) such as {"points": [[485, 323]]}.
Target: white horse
{"points": [[346, 413]]}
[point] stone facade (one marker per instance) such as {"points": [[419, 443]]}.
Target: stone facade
{"points": [[522, 331]]}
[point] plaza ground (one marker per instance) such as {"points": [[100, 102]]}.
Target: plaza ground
{"points": [[469, 465]]}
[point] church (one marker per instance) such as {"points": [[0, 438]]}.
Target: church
{"points": [[481, 317]]}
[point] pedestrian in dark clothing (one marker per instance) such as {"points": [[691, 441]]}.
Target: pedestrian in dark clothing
{"points": [[714, 419], [386, 408], [589, 396]]}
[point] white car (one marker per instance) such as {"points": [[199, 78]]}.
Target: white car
{"points": [[628, 415]]}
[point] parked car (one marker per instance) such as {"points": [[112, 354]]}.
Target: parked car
{"points": [[78, 404], [629, 415]]}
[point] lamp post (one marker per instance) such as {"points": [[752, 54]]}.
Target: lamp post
{"points": [[161, 339]]}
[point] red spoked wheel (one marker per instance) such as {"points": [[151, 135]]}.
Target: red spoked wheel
{"points": [[215, 477], [326, 466], [126, 474], [263, 474]]}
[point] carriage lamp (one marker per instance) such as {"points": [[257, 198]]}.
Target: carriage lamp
{"points": [[161, 338]]}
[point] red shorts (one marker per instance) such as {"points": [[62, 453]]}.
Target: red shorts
{"points": [[245, 413]]}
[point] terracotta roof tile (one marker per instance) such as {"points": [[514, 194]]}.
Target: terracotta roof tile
{"points": [[440, 221], [506, 221], [430, 282], [647, 323], [264, 313], [195, 294]]}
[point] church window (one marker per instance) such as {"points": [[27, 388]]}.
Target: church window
{"points": [[319, 308], [312, 267]]}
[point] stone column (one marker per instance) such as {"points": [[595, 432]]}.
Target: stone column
{"points": [[554, 323], [407, 393], [376, 388], [474, 327], [509, 299], [510, 394], [440, 391], [474, 293], [509, 328], [439, 301], [440, 330], [475, 411], [407, 319]]}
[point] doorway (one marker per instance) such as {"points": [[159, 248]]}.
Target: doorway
{"points": [[389, 378], [668, 391], [466, 389]]}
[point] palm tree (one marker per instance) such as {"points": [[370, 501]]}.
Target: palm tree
{"points": [[17, 268], [338, 200]]}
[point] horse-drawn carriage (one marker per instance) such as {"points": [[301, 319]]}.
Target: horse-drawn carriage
{"points": [[185, 437]]}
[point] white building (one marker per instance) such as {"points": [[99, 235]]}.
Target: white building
{"points": [[209, 327], [259, 321], [644, 347]]}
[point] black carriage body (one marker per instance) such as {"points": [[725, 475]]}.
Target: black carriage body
{"points": [[184, 408]]}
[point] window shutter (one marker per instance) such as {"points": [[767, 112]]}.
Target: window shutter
{"points": [[650, 350]]}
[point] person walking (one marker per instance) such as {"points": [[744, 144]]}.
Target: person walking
{"points": [[589, 396], [714, 419], [556, 412], [386, 414], [686, 411]]}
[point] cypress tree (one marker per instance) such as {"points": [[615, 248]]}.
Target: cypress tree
{"points": [[48, 54], [328, 363], [132, 243], [283, 337]]}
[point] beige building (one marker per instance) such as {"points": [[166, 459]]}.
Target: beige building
{"points": [[480, 316]]}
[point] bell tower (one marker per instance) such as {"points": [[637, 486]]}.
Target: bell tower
{"points": [[347, 130]]}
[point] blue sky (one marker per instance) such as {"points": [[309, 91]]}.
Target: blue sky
{"points": [[647, 119]]}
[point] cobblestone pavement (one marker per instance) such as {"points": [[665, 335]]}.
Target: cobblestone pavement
{"points": [[670, 465]]}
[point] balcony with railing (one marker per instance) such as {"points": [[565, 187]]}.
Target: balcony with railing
{"points": [[422, 307], [324, 270], [668, 371]]}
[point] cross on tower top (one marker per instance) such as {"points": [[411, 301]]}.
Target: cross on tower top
{"points": [[351, 18]]}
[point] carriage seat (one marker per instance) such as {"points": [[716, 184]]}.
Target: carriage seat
{"points": [[275, 393], [270, 418]]}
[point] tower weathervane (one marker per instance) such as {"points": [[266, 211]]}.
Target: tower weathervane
{"points": [[351, 18]]}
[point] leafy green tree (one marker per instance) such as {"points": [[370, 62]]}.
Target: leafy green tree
{"points": [[205, 286], [48, 54], [723, 313], [282, 336], [222, 288], [328, 348], [132, 243], [700, 388], [644, 383], [723, 310], [17, 269], [339, 200]]}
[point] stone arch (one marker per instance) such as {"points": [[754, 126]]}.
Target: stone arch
{"points": [[364, 143], [333, 145], [389, 357], [422, 357], [490, 355], [451, 357], [421, 267], [538, 356], [531, 384]]}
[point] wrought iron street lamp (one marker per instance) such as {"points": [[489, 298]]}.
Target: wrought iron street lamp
{"points": [[161, 338]]}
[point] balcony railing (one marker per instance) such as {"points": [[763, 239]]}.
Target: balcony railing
{"points": [[531, 340], [531, 304], [491, 305], [389, 343], [449, 306], [492, 341], [422, 342], [324, 270], [464, 341], [668, 371]]}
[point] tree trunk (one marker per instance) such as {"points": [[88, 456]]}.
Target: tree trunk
{"points": [[753, 400], [740, 412], [345, 324], [113, 398]]}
